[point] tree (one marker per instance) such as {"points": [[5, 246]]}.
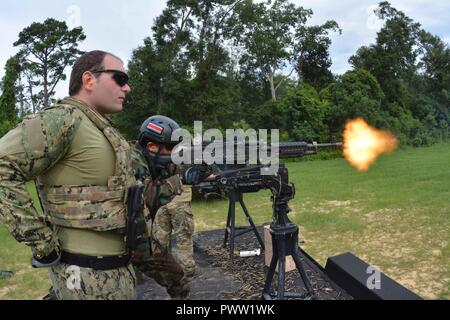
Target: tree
{"points": [[267, 33], [143, 100], [46, 49], [435, 62], [355, 94], [313, 61], [182, 70], [413, 69], [188, 35], [431, 103], [8, 111], [393, 58], [305, 114]]}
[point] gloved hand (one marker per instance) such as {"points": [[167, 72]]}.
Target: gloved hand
{"points": [[48, 261], [192, 175]]}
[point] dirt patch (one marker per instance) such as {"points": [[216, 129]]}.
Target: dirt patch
{"points": [[5, 290], [201, 225], [330, 206], [337, 203]]}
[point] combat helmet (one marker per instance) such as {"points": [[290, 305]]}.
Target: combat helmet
{"points": [[157, 129]]}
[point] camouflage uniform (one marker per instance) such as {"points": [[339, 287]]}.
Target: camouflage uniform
{"points": [[161, 267], [71, 283], [35, 149], [175, 218]]}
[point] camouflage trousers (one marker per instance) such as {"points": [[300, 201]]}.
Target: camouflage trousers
{"points": [[175, 220], [161, 266], [76, 283]]}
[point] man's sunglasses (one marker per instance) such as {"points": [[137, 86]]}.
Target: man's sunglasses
{"points": [[120, 77]]}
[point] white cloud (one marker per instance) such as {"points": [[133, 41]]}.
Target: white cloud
{"points": [[373, 22], [9, 36], [447, 39]]}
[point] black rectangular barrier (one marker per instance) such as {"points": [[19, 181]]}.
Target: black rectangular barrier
{"points": [[364, 282]]}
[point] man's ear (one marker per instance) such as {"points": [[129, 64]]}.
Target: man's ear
{"points": [[89, 80], [152, 147]]}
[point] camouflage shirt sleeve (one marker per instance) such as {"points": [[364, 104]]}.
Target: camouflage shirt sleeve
{"points": [[34, 146], [165, 188], [140, 168], [160, 192]]}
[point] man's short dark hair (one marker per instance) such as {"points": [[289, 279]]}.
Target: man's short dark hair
{"points": [[88, 61]]}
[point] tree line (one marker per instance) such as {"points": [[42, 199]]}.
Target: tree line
{"points": [[241, 64]]}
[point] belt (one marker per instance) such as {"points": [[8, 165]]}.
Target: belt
{"points": [[93, 262]]}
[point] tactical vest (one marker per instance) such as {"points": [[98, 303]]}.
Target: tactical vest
{"points": [[92, 207]]}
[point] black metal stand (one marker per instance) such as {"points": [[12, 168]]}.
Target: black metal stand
{"points": [[230, 230], [284, 233], [285, 243]]}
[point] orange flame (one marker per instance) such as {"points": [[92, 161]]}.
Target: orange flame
{"points": [[364, 144]]}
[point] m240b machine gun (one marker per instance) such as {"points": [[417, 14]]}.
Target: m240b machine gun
{"points": [[209, 188], [235, 179]]}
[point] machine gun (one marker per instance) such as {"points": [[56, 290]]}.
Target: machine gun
{"points": [[209, 188], [238, 173], [235, 179]]}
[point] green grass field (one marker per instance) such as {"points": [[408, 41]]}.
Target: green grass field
{"points": [[395, 216]]}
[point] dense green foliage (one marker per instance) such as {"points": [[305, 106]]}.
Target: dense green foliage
{"points": [[253, 64], [8, 112], [413, 69], [221, 62]]}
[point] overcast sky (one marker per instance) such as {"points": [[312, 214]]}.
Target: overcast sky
{"points": [[121, 26]]}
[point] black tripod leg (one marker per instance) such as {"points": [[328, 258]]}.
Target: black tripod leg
{"points": [[301, 270], [281, 269], [228, 221], [250, 220], [232, 231], [270, 273]]}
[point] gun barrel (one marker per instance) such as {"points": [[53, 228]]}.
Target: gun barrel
{"points": [[328, 145], [297, 149], [241, 150]]}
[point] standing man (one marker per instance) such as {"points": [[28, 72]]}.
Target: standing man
{"points": [[171, 264], [82, 168], [155, 143]]}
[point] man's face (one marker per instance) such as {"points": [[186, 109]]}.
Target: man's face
{"points": [[108, 96], [162, 149]]}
